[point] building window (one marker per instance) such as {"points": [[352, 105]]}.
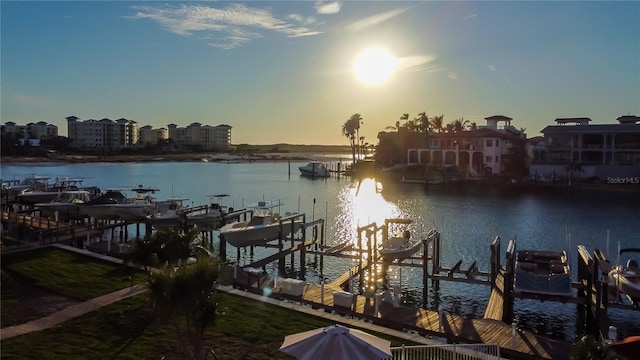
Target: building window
{"points": [[497, 159], [488, 159], [489, 143]]}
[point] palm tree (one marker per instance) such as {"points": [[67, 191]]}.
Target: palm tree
{"points": [[423, 122], [351, 129], [437, 123], [350, 133], [186, 296], [459, 125], [405, 118]]}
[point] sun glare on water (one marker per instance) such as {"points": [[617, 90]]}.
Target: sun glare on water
{"points": [[375, 66]]}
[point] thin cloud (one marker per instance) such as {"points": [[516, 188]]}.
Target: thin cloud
{"points": [[452, 75], [226, 28], [327, 8], [417, 63], [471, 16], [302, 20], [492, 68], [375, 19]]}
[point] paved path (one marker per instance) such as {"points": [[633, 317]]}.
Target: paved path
{"points": [[70, 312]]}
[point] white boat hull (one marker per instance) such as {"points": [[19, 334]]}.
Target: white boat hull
{"points": [[241, 234], [132, 212], [626, 282], [103, 211], [165, 222], [392, 253]]}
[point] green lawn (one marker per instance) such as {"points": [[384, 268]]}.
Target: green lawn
{"points": [[244, 329]]}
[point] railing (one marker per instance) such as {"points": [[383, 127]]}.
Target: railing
{"points": [[449, 352]]}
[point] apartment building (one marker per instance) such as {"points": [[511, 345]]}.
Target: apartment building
{"points": [[207, 136], [149, 135], [103, 134], [575, 148], [39, 130]]}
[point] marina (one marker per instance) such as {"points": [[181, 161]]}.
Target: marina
{"points": [[463, 265]]}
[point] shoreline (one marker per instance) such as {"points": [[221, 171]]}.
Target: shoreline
{"points": [[194, 157]]}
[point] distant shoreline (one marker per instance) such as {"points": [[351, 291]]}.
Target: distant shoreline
{"points": [[195, 157]]}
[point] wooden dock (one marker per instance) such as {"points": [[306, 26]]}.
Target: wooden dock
{"points": [[37, 231], [514, 343]]}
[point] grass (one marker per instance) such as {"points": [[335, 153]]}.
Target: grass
{"points": [[71, 274], [244, 329]]}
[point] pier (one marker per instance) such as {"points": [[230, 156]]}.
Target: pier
{"points": [[368, 303]]}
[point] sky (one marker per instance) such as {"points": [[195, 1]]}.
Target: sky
{"points": [[293, 71]]}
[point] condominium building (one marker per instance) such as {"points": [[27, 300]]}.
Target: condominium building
{"points": [[149, 135], [208, 137], [574, 147], [486, 150], [39, 130], [102, 134]]}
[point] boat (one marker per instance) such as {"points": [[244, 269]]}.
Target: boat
{"points": [[626, 278], [212, 217], [264, 226], [65, 206], [314, 169], [542, 272], [139, 207], [49, 192], [171, 218], [101, 206], [399, 245]]}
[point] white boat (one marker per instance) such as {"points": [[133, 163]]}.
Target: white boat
{"points": [[138, 208], [399, 245], [212, 217], [626, 279], [171, 218], [263, 227], [65, 206], [101, 206], [314, 169], [542, 272], [47, 193]]}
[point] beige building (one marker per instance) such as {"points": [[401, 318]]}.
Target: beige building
{"points": [[39, 130], [209, 137], [149, 135], [102, 134]]}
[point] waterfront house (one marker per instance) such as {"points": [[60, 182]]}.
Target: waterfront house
{"points": [[497, 148], [574, 149]]}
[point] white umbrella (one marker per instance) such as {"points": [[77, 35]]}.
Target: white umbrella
{"points": [[336, 342]]}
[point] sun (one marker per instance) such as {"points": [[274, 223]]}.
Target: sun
{"points": [[375, 66]]}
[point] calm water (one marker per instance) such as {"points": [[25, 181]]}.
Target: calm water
{"points": [[467, 218]]}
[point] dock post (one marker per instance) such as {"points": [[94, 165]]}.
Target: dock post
{"points": [[435, 261], [223, 248], [425, 273]]}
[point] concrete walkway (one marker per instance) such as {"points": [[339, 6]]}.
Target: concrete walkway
{"points": [[71, 312]]}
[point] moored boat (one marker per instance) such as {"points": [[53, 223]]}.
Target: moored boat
{"points": [[101, 206], [212, 217], [137, 208], [314, 169], [65, 206], [626, 278], [264, 226], [398, 245], [542, 272], [173, 217]]}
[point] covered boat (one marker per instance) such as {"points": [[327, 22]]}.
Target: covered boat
{"points": [[542, 272]]}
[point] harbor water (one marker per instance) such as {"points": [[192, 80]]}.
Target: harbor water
{"points": [[467, 218]]}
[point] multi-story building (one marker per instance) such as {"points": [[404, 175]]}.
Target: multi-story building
{"points": [[149, 135], [103, 134], [485, 150], [39, 130], [208, 137], [573, 148]]}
